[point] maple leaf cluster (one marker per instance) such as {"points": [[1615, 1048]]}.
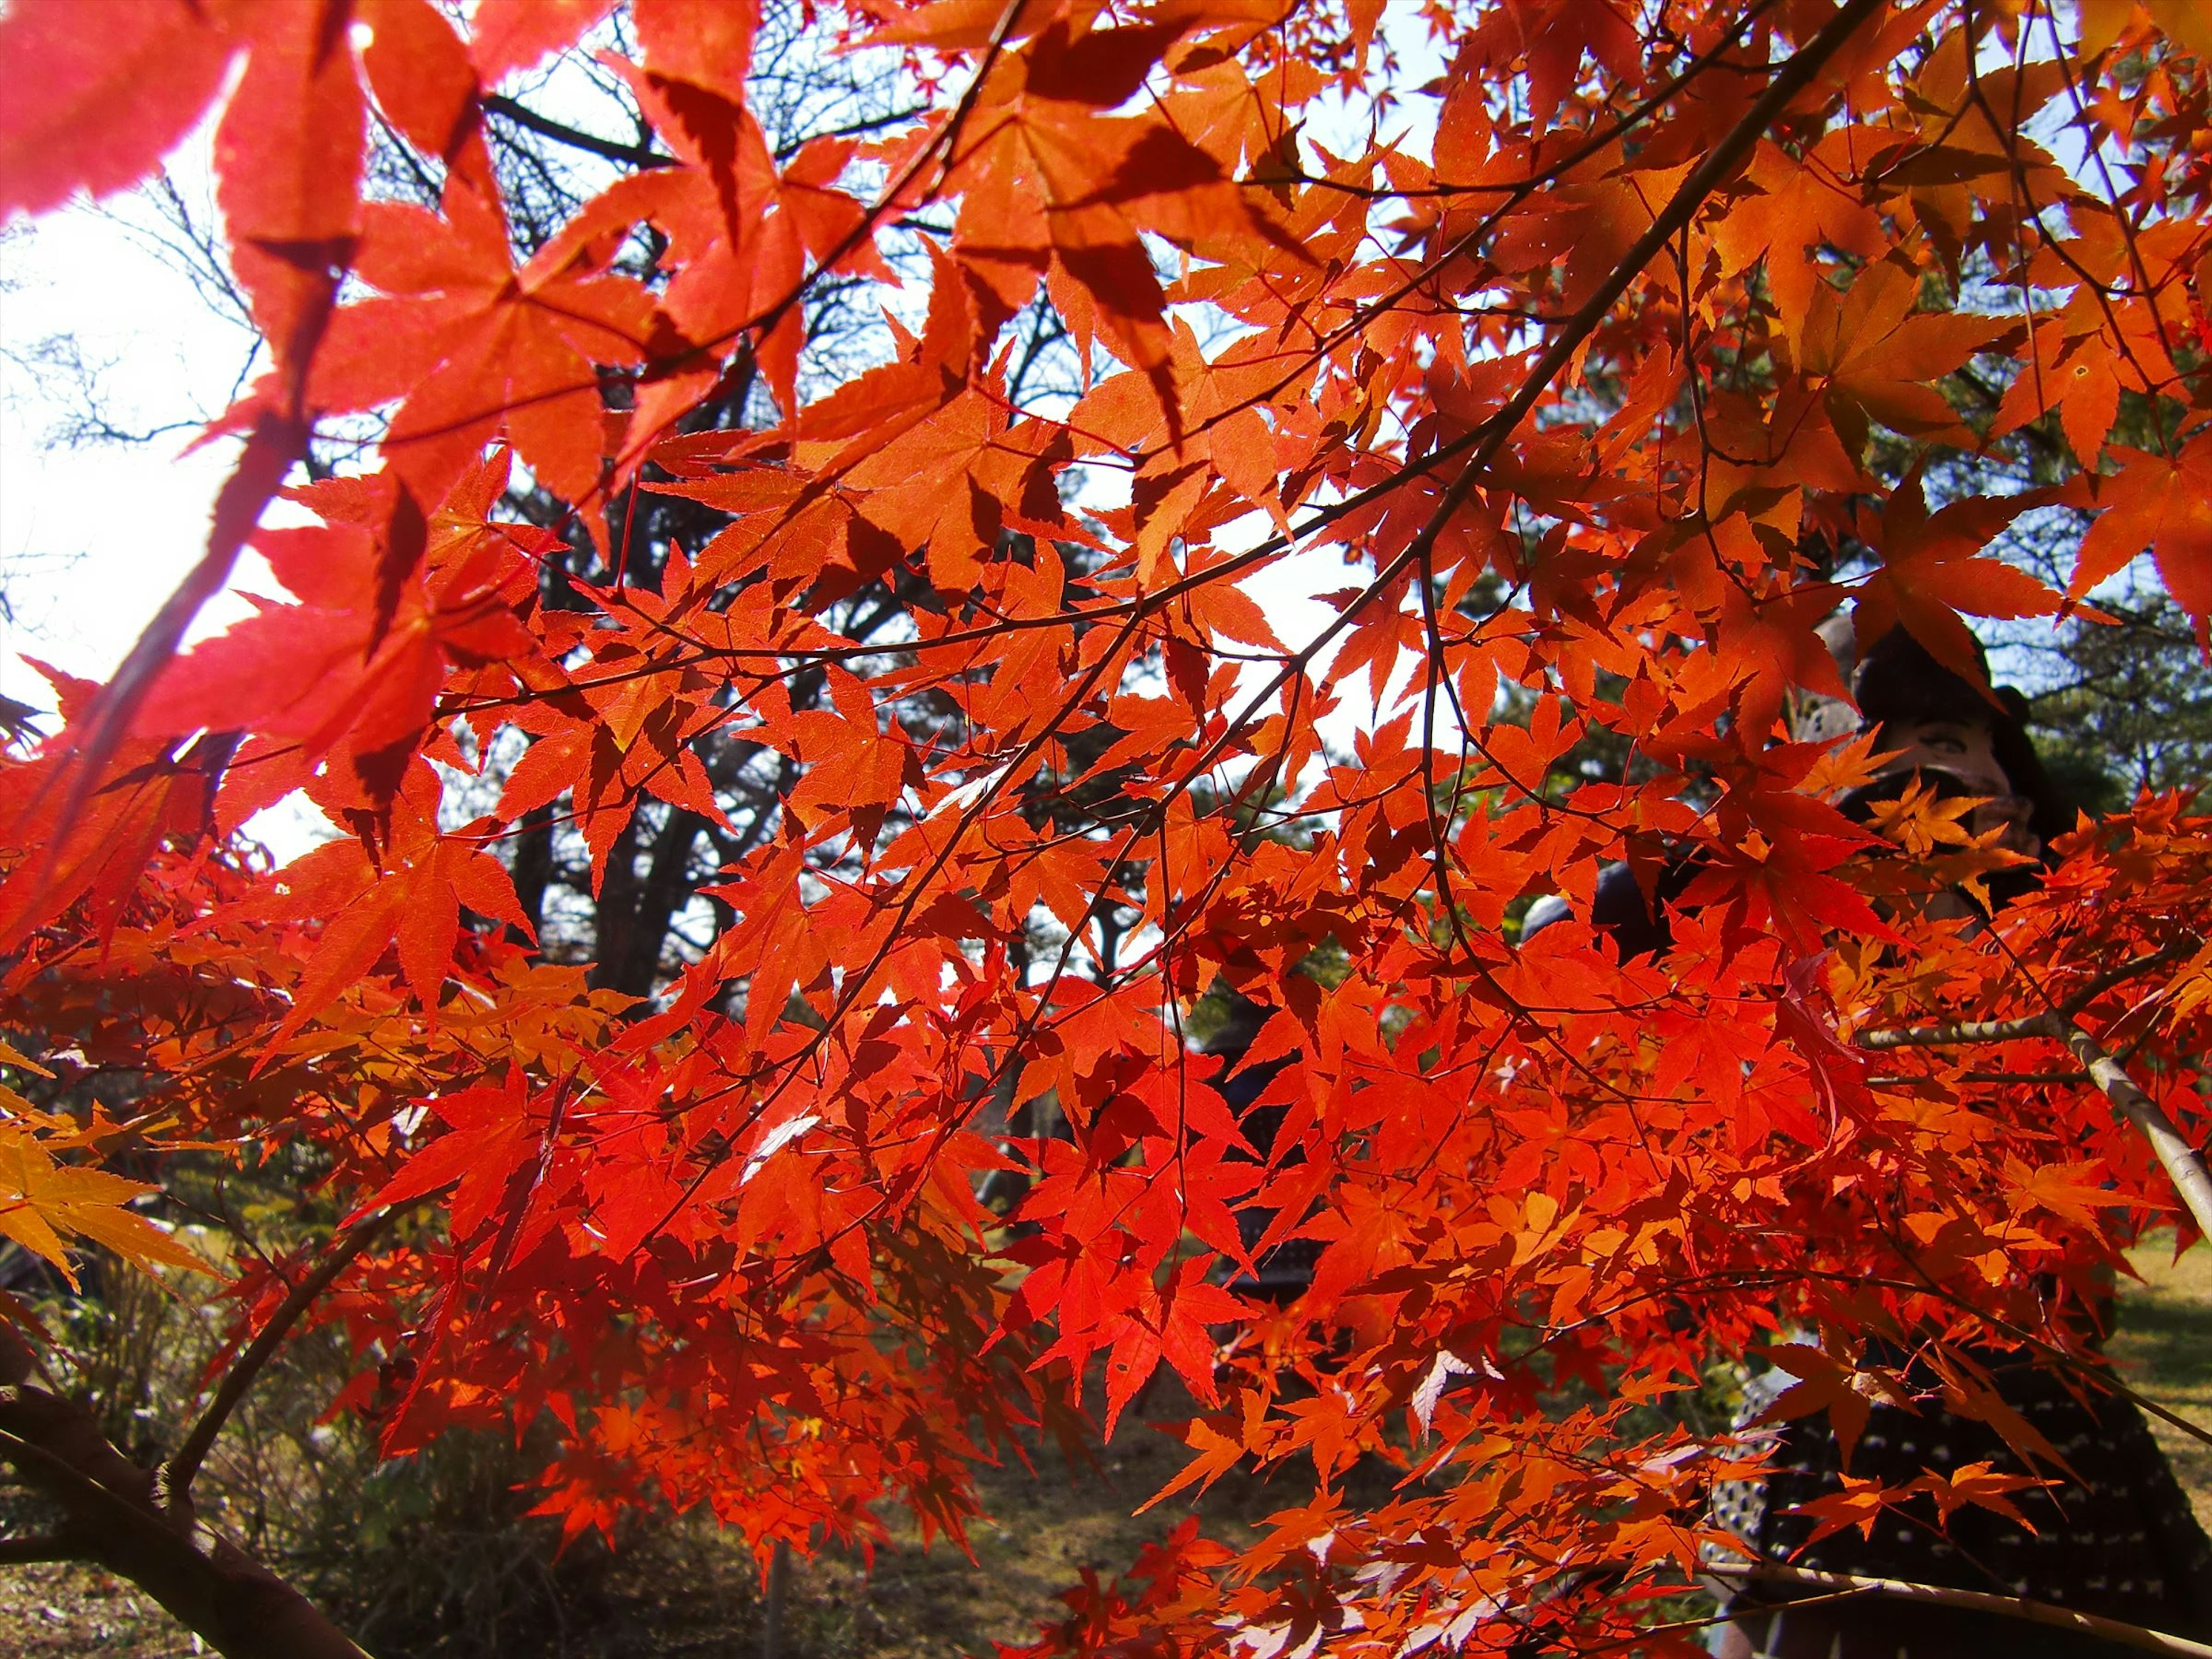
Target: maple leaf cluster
{"points": [[1602, 396]]}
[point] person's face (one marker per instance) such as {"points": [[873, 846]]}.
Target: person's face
{"points": [[1963, 750]]}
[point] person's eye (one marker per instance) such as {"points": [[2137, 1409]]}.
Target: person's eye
{"points": [[1948, 745]]}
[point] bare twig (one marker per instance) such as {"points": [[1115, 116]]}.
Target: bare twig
{"points": [[636, 155], [2015, 1607], [2184, 1164]]}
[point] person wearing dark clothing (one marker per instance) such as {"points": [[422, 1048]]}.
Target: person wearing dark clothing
{"points": [[2117, 1537], [1286, 1270]]}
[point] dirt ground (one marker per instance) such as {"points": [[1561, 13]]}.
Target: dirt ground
{"points": [[690, 1593]]}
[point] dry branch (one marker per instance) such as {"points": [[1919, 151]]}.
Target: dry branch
{"points": [[2183, 1164], [2014, 1607], [114, 1521]]}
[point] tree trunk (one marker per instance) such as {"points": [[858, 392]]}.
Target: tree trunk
{"points": [[533, 866], [665, 891]]}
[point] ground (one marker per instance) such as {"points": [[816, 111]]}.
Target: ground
{"points": [[692, 1595], [2164, 1350]]}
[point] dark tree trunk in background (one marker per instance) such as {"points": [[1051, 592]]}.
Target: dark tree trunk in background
{"points": [[533, 864], [630, 953]]}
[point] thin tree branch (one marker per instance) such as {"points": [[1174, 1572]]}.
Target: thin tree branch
{"points": [[1960, 1035], [2034, 1026], [2184, 1164], [41, 1546], [636, 155], [175, 1478], [2014, 1607], [2039, 1080]]}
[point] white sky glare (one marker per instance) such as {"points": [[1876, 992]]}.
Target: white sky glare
{"points": [[92, 538]]}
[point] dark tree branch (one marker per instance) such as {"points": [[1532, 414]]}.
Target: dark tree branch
{"points": [[41, 1546], [2014, 1607], [533, 870], [613, 149], [213, 1588], [176, 1475], [666, 887]]}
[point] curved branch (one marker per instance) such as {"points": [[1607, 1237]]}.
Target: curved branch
{"points": [[212, 1587], [176, 1474], [2011, 1607], [2184, 1166]]}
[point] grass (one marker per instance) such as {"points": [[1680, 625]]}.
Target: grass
{"points": [[2163, 1349]]}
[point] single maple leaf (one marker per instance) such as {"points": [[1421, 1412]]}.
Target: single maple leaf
{"points": [[411, 897], [1873, 355], [420, 72], [1860, 1504], [2154, 504], [1847, 1393], [508, 35], [2077, 374], [473, 348], [1216, 1448], [1929, 573], [117, 84], [44, 1204], [1981, 1486], [2073, 1192]]}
